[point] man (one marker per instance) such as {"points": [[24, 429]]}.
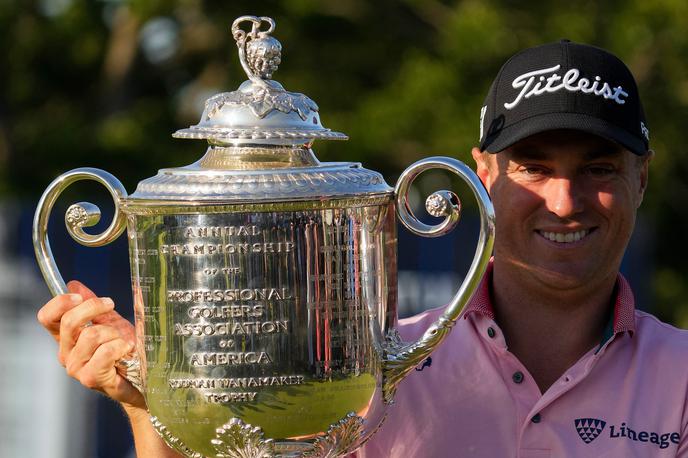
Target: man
{"points": [[550, 358]]}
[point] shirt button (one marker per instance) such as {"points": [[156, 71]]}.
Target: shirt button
{"points": [[517, 377], [536, 418], [491, 332]]}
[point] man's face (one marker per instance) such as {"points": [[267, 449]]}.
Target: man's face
{"points": [[565, 204]]}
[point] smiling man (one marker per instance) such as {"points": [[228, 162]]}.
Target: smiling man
{"points": [[550, 358]]}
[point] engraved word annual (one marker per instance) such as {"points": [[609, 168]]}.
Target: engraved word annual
{"points": [[220, 231]]}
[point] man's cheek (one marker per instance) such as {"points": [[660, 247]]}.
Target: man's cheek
{"points": [[606, 200]]}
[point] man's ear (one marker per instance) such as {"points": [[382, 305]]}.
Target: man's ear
{"points": [[644, 171], [482, 168]]}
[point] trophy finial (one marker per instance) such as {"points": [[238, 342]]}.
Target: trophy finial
{"points": [[260, 54], [260, 110]]}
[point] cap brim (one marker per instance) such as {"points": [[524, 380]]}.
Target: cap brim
{"points": [[503, 138]]}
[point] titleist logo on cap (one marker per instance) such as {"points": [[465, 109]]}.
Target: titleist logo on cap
{"points": [[569, 82]]}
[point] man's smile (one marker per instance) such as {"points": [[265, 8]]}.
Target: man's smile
{"points": [[565, 236]]}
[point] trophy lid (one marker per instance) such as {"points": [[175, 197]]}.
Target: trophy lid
{"points": [[259, 142], [261, 110]]}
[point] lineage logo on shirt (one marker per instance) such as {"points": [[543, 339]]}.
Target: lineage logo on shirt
{"points": [[590, 428]]}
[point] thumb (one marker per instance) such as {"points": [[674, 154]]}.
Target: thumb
{"points": [[77, 287]]}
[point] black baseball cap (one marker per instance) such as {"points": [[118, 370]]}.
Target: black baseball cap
{"points": [[563, 85]]}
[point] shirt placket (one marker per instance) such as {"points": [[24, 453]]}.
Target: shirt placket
{"points": [[521, 385], [526, 395], [529, 402], [530, 439]]}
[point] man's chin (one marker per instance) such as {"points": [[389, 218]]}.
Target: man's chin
{"points": [[561, 276], [564, 277]]}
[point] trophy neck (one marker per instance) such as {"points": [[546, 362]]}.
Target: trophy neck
{"points": [[257, 157]]}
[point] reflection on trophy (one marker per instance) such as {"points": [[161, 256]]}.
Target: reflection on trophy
{"points": [[264, 281]]}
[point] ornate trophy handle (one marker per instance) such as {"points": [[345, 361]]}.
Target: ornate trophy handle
{"points": [[78, 216], [402, 357]]}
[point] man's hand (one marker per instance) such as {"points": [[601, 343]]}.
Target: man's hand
{"points": [[92, 336]]}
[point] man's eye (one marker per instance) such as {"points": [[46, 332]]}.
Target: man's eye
{"points": [[533, 170], [600, 171]]}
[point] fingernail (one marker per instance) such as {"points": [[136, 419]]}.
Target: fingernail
{"points": [[107, 301], [75, 298]]}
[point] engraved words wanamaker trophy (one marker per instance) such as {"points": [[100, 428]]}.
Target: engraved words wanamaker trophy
{"points": [[264, 281]]}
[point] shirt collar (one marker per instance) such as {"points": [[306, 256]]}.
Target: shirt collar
{"points": [[621, 320]]}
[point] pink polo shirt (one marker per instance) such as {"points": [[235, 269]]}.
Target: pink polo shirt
{"points": [[624, 398]]}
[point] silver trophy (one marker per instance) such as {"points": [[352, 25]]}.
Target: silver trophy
{"points": [[264, 281]]}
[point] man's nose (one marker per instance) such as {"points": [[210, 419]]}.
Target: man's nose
{"points": [[563, 198]]}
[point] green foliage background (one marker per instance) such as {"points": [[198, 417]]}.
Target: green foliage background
{"points": [[405, 79]]}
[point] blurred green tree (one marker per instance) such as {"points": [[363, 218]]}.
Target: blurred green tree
{"points": [[105, 83]]}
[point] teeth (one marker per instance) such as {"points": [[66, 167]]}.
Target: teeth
{"points": [[561, 237]]}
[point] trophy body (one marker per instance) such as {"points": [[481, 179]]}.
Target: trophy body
{"points": [[264, 281], [273, 317]]}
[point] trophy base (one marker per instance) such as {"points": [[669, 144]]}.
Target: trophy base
{"points": [[236, 439]]}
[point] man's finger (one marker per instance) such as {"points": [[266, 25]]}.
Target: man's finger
{"points": [[111, 318], [86, 345], [75, 319], [51, 313], [100, 373], [118, 322], [79, 288]]}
